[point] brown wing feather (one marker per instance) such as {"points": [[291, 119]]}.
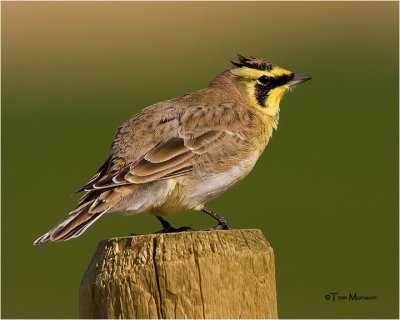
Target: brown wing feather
{"points": [[202, 140], [187, 135], [98, 175], [174, 171], [146, 168], [166, 151]]}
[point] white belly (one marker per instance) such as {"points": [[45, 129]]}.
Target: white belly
{"points": [[213, 186], [146, 197], [178, 194]]}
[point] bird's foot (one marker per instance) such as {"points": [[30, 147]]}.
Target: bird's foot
{"points": [[171, 229], [220, 226], [223, 224], [167, 228]]}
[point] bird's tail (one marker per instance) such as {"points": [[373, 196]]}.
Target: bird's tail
{"points": [[91, 207], [73, 225]]}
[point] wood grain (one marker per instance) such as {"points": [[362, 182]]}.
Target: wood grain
{"points": [[218, 274]]}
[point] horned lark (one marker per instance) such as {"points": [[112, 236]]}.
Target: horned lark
{"points": [[178, 154]]}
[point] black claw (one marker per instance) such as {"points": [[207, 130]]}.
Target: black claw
{"points": [[167, 228], [219, 226], [172, 229], [224, 225]]}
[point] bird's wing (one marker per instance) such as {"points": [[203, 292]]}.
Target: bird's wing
{"points": [[159, 145], [154, 145]]}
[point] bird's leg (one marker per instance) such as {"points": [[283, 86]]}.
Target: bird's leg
{"points": [[223, 224], [168, 228]]}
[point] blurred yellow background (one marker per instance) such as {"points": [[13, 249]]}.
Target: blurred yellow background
{"points": [[325, 192]]}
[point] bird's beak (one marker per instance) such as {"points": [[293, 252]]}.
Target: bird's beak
{"points": [[299, 78]]}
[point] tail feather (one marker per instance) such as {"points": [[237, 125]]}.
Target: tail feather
{"points": [[73, 226], [91, 207], [80, 228]]}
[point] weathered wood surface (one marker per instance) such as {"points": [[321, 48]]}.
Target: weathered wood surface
{"points": [[214, 274]]}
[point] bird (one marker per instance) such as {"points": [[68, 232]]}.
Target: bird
{"points": [[178, 154]]}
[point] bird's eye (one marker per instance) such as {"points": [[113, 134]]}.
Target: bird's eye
{"points": [[263, 80]]}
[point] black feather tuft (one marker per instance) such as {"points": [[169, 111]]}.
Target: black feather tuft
{"points": [[253, 63]]}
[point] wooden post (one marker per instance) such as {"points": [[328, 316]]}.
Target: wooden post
{"points": [[213, 274]]}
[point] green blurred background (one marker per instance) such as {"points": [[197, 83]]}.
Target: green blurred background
{"points": [[325, 192]]}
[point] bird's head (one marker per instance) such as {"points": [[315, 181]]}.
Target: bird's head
{"points": [[263, 84]]}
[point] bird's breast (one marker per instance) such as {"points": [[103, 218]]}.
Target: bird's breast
{"points": [[208, 186]]}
